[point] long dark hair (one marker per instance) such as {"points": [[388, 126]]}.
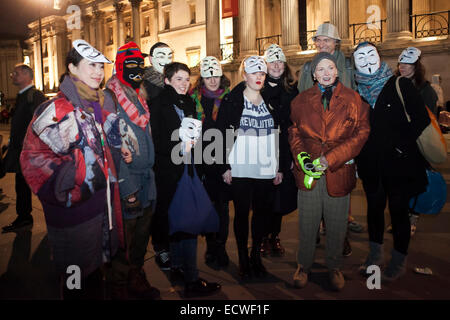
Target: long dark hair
{"points": [[419, 73]]}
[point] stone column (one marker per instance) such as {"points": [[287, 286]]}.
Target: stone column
{"points": [[60, 54], [50, 60], [99, 30], [212, 28], [37, 64], [397, 22], [87, 28], [154, 27], [339, 17], [119, 7], [136, 20], [289, 26], [247, 30]]}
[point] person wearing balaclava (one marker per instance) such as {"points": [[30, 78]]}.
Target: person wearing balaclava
{"points": [[330, 127], [279, 90], [136, 178], [390, 165], [160, 55]]}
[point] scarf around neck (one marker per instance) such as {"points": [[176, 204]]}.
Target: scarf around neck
{"points": [[127, 98], [370, 85], [91, 99], [216, 95], [327, 93], [154, 77]]}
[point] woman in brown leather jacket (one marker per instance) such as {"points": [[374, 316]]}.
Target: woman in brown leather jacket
{"points": [[330, 126]]}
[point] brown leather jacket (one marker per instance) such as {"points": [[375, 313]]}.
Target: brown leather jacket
{"points": [[338, 133]]}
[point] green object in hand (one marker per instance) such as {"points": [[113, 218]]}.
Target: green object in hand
{"points": [[308, 168]]}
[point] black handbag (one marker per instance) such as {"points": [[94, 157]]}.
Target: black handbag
{"points": [[285, 198]]}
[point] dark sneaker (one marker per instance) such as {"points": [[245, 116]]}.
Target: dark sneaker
{"points": [[266, 247], [20, 222], [277, 248], [356, 227], [139, 287], [201, 288], [162, 259], [347, 248]]}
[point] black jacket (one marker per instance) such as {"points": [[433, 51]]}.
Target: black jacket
{"points": [[164, 120], [391, 150], [280, 99], [26, 103], [229, 117]]}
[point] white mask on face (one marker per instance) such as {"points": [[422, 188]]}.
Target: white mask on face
{"points": [[274, 53], [161, 56], [210, 67], [255, 64], [190, 130], [89, 52], [409, 55], [367, 60]]}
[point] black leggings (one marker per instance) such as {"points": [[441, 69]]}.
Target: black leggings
{"points": [[377, 194], [251, 193]]}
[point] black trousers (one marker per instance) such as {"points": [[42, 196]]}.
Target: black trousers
{"points": [[273, 225], [258, 195], [391, 190], [23, 196]]}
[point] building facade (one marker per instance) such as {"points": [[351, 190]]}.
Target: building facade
{"points": [[232, 29]]}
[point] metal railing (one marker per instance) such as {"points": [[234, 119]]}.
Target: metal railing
{"points": [[372, 32], [264, 42], [431, 24], [306, 40], [229, 51]]}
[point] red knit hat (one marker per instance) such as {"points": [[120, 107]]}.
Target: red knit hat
{"points": [[128, 50]]}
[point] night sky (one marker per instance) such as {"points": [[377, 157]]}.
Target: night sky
{"points": [[16, 14]]}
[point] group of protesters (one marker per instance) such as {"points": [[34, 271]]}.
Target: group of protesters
{"points": [[101, 161]]}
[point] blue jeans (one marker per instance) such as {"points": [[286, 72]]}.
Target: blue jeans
{"points": [[183, 254]]}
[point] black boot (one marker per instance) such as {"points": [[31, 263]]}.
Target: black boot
{"points": [[255, 261], [222, 257], [244, 264]]}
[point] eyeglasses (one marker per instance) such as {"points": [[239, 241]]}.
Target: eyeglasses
{"points": [[14, 73]]}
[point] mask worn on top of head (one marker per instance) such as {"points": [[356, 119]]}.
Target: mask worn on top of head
{"points": [[409, 55], [255, 64], [210, 67], [130, 65], [367, 60], [161, 56], [274, 53]]}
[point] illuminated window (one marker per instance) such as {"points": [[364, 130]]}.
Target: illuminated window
{"points": [[166, 20], [192, 10], [193, 56]]}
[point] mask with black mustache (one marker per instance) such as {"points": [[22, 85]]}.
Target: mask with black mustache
{"points": [[133, 70]]}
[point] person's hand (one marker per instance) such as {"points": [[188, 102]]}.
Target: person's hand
{"points": [[227, 177], [307, 165], [320, 164], [278, 178], [126, 155], [188, 146]]}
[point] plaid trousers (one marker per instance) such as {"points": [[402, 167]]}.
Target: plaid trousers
{"points": [[312, 206]]}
